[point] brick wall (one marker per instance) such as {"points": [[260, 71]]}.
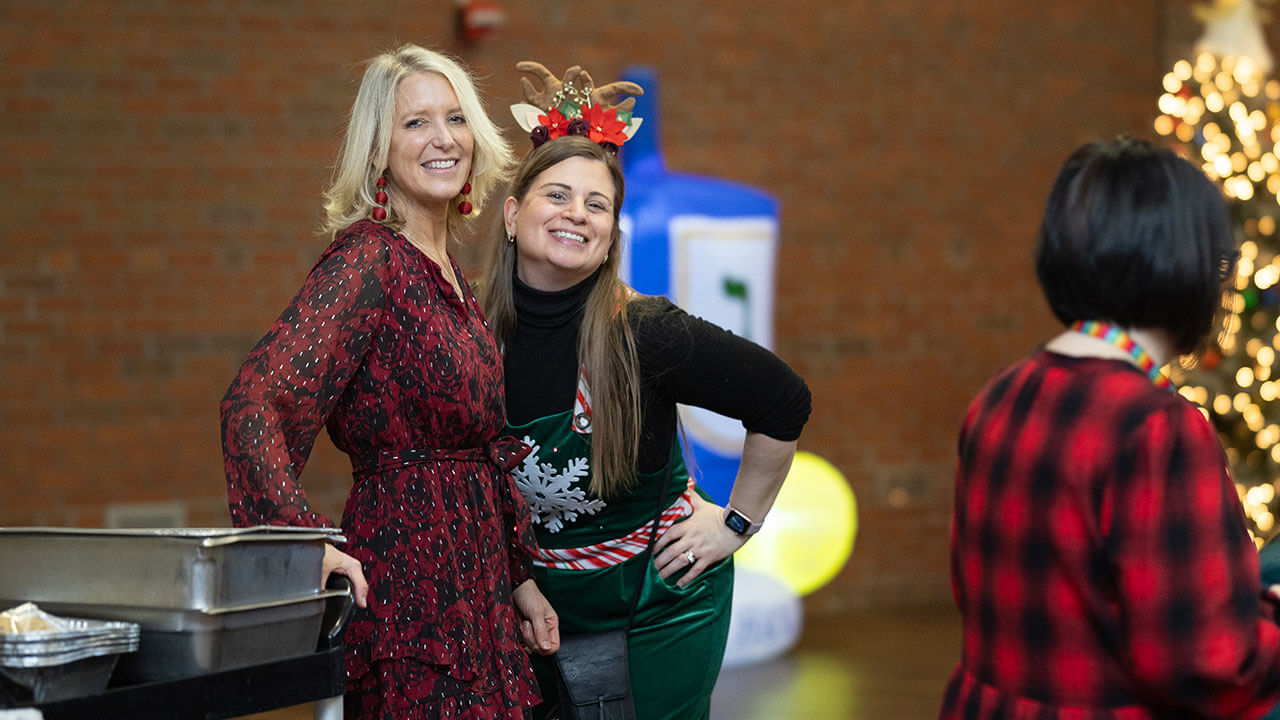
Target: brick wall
{"points": [[161, 165]]}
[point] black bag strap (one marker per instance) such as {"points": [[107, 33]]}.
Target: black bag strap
{"points": [[657, 515]]}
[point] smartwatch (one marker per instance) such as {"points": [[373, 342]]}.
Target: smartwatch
{"points": [[740, 524]]}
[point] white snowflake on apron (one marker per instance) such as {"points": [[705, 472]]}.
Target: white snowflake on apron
{"points": [[552, 497]]}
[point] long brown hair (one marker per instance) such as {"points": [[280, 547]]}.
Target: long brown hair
{"points": [[606, 345]]}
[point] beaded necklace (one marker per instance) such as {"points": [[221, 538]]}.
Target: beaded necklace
{"points": [[1121, 339]]}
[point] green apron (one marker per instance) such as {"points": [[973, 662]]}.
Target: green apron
{"points": [[677, 639]]}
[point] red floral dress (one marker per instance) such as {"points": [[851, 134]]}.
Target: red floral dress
{"points": [[408, 379]]}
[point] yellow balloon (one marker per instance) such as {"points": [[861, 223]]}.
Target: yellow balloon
{"points": [[808, 535]]}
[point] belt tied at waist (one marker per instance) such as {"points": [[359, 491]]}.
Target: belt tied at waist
{"points": [[505, 453]]}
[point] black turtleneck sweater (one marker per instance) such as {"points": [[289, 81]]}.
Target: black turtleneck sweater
{"points": [[682, 359]]}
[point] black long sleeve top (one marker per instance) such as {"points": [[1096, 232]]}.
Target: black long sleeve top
{"points": [[681, 358]]}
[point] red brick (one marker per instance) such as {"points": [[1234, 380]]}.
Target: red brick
{"points": [[166, 162]]}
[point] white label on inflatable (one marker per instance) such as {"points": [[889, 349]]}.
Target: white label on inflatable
{"points": [[624, 263], [722, 270]]}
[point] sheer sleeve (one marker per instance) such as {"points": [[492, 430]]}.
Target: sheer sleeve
{"points": [[292, 379]]}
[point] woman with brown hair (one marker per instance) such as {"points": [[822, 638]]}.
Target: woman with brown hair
{"points": [[594, 371]]}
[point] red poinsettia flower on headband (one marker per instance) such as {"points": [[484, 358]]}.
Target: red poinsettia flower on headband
{"points": [[604, 124], [557, 124]]}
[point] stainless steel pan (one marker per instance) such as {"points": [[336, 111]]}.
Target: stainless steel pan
{"points": [[188, 568]]}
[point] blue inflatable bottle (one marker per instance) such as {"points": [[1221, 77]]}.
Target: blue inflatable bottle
{"points": [[711, 247]]}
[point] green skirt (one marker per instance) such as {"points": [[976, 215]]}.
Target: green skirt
{"points": [[677, 640]]}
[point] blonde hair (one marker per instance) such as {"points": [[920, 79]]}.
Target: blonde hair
{"points": [[606, 345], [363, 157]]}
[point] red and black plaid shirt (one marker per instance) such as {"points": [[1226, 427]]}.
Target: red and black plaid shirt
{"points": [[1099, 555]]}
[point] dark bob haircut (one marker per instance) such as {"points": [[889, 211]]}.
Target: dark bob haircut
{"points": [[1136, 236]]}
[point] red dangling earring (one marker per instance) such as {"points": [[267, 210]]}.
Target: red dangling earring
{"points": [[380, 213], [464, 207]]}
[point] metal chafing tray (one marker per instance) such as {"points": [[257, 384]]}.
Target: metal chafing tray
{"points": [[187, 568], [177, 643], [207, 599]]}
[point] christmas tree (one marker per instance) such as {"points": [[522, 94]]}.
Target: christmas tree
{"points": [[1222, 110]]}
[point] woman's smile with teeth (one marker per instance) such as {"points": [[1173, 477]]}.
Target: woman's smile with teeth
{"points": [[569, 236], [563, 226], [441, 164]]}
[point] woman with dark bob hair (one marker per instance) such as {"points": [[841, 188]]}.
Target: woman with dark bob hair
{"points": [[1137, 236], [1099, 555]]}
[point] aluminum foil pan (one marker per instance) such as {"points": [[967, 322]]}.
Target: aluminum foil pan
{"points": [[46, 657], [65, 640], [79, 678]]}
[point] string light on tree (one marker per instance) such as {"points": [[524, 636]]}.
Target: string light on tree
{"points": [[1223, 109]]}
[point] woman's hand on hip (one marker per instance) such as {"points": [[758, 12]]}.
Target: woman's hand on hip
{"points": [[697, 543]]}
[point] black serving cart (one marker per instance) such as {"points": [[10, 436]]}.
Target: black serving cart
{"points": [[318, 677]]}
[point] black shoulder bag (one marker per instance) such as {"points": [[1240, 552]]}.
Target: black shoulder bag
{"points": [[593, 675]]}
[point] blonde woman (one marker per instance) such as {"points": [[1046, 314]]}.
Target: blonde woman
{"points": [[386, 346]]}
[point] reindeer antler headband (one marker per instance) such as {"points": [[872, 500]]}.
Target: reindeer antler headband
{"points": [[574, 106]]}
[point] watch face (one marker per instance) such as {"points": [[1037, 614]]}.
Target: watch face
{"points": [[736, 522]]}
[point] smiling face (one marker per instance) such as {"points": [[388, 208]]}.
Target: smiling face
{"points": [[564, 224], [431, 143]]}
